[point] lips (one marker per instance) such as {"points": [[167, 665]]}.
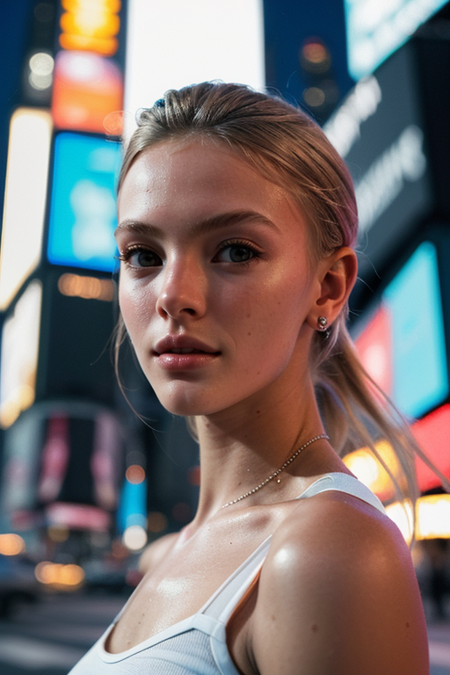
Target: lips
{"points": [[180, 354], [182, 349]]}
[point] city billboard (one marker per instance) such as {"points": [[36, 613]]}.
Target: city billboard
{"points": [[376, 29], [404, 349], [83, 208], [382, 133]]}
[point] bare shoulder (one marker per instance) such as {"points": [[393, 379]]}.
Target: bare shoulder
{"points": [[338, 594], [155, 552]]}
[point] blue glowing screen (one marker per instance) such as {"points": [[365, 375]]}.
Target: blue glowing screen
{"points": [[420, 378], [375, 29], [83, 208], [133, 505]]}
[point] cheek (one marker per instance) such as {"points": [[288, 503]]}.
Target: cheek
{"points": [[274, 321], [285, 302], [136, 307]]}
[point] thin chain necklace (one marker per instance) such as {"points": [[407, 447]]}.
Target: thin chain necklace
{"points": [[277, 472]]}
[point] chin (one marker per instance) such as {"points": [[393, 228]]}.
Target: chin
{"points": [[192, 404], [184, 406]]}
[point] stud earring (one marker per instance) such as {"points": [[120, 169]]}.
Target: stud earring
{"points": [[322, 326], [322, 323]]}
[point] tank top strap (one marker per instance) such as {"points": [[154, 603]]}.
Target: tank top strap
{"points": [[222, 604], [343, 482]]}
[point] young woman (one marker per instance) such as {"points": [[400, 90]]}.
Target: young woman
{"points": [[237, 222]]}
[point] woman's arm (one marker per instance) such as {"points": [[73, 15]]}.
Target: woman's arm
{"points": [[338, 596]]}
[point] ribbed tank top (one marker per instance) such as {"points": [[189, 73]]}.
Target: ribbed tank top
{"points": [[197, 645]]}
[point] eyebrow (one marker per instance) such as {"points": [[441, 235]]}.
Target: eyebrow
{"points": [[221, 220]]}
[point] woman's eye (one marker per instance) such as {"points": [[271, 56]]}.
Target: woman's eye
{"points": [[236, 253], [141, 257]]}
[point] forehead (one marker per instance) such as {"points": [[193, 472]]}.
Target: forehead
{"points": [[195, 177]]}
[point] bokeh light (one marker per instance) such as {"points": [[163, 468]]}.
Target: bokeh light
{"points": [[135, 537], [41, 71], [135, 474], [61, 577], [89, 288], [11, 544]]}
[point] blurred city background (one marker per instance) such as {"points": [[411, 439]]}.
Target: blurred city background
{"points": [[85, 484]]}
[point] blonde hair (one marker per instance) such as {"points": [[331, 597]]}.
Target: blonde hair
{"points": [[290, 149]]}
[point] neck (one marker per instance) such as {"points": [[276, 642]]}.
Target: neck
{"points": [[241, 447]]}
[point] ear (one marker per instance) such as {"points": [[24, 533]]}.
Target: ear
{"points": [[336, 276]]}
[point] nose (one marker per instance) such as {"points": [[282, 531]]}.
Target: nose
{"points": [[183, 289]]}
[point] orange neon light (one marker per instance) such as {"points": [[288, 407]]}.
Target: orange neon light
{"points": [[98, 24], [90, 26], [86, 89], [105, 47], [89, 288], [77, 5]]}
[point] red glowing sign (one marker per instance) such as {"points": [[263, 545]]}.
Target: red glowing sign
{"points": [[433, 435], [374, 347]]}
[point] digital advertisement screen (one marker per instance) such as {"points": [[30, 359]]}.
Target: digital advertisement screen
{"points": [[25, 199], [381, 132], [86, 88], [403, 346], [432, 435], [376, 29], [220, 40], [83, 207], [19, 355]]}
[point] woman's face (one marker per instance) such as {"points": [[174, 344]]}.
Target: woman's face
{"points": [[215, 282]]}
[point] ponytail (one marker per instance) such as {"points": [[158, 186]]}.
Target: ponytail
{"points": [[356, 413]]}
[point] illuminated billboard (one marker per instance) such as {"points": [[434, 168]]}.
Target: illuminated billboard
{"points": [[25, 199], [407, 357], [86, 89], [376, 29], [380, 130], [65, 457], [214, 40], [418, 342], [83, 209], [432, 434], [90, 26], [19, 355]]}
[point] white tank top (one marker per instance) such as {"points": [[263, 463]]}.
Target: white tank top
{"points": [[197, 645]]}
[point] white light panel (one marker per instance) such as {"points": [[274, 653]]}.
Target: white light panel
{"points": [[19, 355], [25, 199], [175, 43]]}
